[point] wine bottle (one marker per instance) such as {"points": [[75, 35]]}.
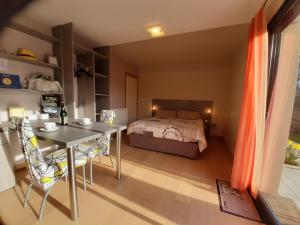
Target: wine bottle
{"points": [[63, 115]]}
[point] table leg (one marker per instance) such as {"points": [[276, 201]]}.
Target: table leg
{"points": [[72, 184], [118, 155]]}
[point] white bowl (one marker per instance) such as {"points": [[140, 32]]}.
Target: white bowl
{"points": [[85, 120], [49, 125]]}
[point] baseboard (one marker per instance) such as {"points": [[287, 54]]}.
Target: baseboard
{"points": [[265, 211]]}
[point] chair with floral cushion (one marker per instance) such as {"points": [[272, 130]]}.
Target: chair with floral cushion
{"points": [[45, 172], [101, 146]]}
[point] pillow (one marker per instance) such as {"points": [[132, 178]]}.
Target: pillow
{"points": [[166, 113], [192, 115]]}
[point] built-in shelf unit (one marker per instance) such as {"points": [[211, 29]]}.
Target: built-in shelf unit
{"points": [[58, 69], [85, 95], [102, 80]]}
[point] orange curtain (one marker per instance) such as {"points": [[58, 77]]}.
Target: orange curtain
{"points": [[249, 144]]}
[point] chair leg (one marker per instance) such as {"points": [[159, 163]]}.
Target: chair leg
{"points": [[66, 178], [112, 163], [99, 159], [84, 180], [43, 204], [27, 195], [91, 170]]}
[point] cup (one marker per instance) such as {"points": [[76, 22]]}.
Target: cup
{"points": [[49, 125], [85, 120]]}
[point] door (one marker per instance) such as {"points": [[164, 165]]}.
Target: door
{"points": [[131, 97]]}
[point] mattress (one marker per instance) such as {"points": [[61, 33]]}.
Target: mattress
{"points": [[180, 130]]}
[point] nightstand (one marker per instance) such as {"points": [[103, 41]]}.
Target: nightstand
{"points": [[207, 129]]}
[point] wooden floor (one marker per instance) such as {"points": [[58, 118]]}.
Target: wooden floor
{"points": [[156, 188]]}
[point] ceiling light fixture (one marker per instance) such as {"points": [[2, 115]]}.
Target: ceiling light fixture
{"points": [[155, 31]]}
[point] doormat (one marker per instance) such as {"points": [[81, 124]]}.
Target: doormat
{"points": [[237, 203]]}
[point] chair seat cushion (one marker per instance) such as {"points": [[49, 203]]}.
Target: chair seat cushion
{"points": [[92, 149], [59, 158]]}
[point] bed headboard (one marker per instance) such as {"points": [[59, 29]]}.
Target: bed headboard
{"points": [[204, 107]]}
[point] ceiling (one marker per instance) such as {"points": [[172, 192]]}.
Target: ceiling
{"points": [[111, 22], [207, 46]]}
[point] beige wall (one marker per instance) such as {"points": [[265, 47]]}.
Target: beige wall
{"points": [[118, 68], [235, 97], [187, 82]]}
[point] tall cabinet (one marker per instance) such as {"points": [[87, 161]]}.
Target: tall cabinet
{"points": [[87, 94]]}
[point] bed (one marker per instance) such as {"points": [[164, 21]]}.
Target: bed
{"points": [[176, 127]]}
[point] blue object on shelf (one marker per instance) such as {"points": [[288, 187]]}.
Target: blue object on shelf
{"points": [[10, 81]]}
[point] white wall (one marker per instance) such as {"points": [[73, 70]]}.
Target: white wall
{"points": [[187, 82], [235, 97]]}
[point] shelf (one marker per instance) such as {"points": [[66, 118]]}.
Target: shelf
{"points": [[103, 95], [98, 75], [33, 62], [7, 90], [33, 33], [79, 48], [100, 56]]}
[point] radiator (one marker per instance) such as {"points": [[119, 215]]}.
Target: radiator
{"points": [[122, 115]]}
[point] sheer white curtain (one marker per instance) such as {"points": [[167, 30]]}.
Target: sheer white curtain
{"points": [[280, 110]]}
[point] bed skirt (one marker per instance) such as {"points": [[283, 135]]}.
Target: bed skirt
{"points": [[186, 149]]}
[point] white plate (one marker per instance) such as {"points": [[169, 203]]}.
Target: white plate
{"points": [[49, 130], [85, 124]]}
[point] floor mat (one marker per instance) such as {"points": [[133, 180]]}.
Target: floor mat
{"points": [[235, 202]]}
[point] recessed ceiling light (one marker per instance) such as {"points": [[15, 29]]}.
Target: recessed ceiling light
{"points": [[155, 31]]}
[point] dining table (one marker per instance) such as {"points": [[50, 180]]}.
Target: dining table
{"points": [[73, 134]]}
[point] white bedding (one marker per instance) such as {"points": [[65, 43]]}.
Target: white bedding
{"points": [[172, 128]]}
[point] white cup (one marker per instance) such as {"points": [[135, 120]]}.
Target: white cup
{"points": [[49, 125], [85, 120]]}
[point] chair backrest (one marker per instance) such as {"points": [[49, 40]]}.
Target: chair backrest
{"points": [[107, 116], [33, 157]]}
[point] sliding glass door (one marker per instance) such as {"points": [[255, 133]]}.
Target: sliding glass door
{"points": [[283, 195]]}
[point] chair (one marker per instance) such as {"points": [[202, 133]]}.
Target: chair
{"points": [[101, 146], [45, 172]]}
